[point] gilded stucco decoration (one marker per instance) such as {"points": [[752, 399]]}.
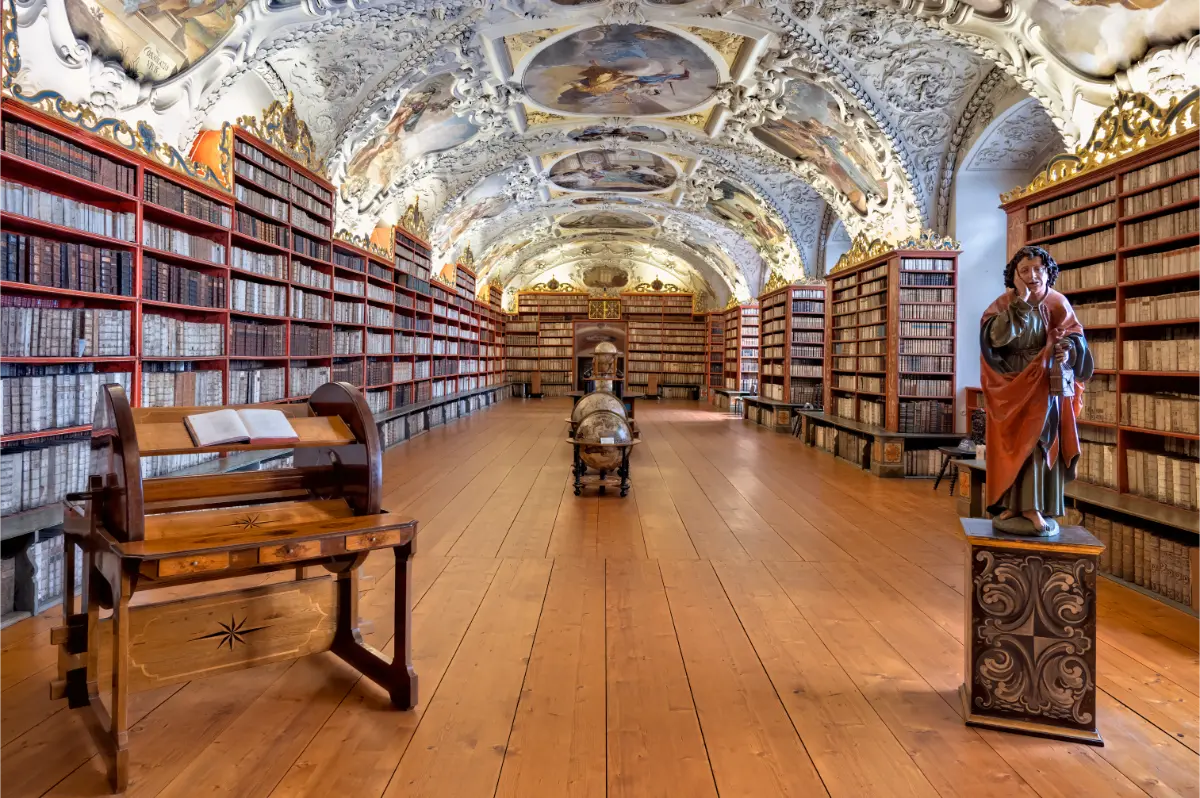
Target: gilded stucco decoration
{"points": [[281, 127]]}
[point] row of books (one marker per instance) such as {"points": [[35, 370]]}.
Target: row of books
{"points": [[260, 177], [927, 417], [922, 462], [306, 379], [927, 312], [306, 275], [1179, 352], [180, 388], [269, 232], [918, 329], [44, 397], [1091, 314], [1167, 307], [926, 364], [259, 298], [1087, 196], [254, 385], [1162, 197], [63, 211], [163, 282], [57, 152], [910, 346], [311, 248], [922, 265], [1100, 403], [271, 206], [909, 295], [1163, 170], [59, 264], [43, 472], [1167, 412], [63, 332], [347, 342], [1171, 225], [163, 336], [314, 307], [926, 280], [171, 195], [1084, 246], [257, 339], [1162, 264], [912, 386], [382, 317], [1165, 478], [1150, 560], [1101, 214], [350, 371], [354, 287], [1095, 275], [381, 344], [262, 263], [179, 242]]}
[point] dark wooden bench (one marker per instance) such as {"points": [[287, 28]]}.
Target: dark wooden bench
{"points": [[883, 452]]}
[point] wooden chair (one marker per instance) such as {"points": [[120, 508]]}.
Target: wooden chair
{"points": [[652, 387], [140, 534]]}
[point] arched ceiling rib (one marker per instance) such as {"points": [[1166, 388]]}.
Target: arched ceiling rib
{"points": [[715, 141]]}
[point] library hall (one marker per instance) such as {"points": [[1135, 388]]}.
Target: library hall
{"points": [[600, 399]]}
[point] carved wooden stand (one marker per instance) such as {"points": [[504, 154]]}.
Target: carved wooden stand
{"points": [[140, 534], [603, 480], [1031, 632]]}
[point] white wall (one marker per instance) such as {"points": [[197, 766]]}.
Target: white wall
{"points": [[1007, 153]]}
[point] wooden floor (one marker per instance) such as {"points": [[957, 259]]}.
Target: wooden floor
{"points": [[755, 619]]}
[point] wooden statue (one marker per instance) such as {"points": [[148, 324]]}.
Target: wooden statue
{"points": [[142, 534], [1034, 361]]}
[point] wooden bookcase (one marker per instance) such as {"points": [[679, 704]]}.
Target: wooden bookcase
{"points": [[190, 255], [741, 347], [792, 355], [1126, 240], [665, 338], [715, 322], [889, 369], [552, 313]]}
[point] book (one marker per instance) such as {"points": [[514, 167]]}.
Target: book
{"points": [[239, 426]]}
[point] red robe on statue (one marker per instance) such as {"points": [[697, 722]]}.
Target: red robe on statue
{"points": [[1017, 403]]}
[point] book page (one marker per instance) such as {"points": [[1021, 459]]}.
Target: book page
{"points": [[263, 424], [212, 429]]}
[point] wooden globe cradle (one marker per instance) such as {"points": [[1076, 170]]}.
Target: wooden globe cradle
{"points": [[142, 534]]}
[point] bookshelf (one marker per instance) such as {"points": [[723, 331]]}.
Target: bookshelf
{"points": [[715, 324], [548, 315], [741, 348], [889, 371], [185, 295], [667, 339], [792, 355], [1126, 239]]}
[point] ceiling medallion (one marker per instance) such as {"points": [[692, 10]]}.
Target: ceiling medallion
{"points": [[621, 70], [1128, 126], [635, 171], [863, 249], [283, 129]]}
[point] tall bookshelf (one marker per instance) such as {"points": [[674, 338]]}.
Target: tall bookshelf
{"points": [[792, 355], [890, 328], [551, 313], [742, 347], [715, 324], [1126, 240], [667, 339], [186, 294]]}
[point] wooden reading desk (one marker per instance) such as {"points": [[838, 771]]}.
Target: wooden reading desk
{"points": [[140, 534]]}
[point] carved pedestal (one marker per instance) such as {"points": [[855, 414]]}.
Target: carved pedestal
{"points": [[1031, 632]]}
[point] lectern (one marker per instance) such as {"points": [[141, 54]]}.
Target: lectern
{"points": [[141, 534]]}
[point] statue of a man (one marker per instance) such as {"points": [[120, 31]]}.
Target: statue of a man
{"points": [[1033, 349]]}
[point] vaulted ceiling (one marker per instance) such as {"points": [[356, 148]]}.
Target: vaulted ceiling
{"points": [[604, 143]]}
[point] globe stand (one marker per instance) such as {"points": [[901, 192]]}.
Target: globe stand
{"points": [[602, 479]]}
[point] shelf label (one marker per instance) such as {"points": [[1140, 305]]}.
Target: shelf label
{"points": [[608, 440]]}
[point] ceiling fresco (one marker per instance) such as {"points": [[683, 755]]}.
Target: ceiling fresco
{"points": [[620, 171], [620, 70], [711, 142]]}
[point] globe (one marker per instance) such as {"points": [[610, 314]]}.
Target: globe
{"points": [[597, 400], [598, 426]]}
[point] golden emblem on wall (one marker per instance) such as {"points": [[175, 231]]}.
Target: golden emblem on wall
{"points": [[414, 220], [604, 308], [774, 281], [283, 129], [1131, 124]]}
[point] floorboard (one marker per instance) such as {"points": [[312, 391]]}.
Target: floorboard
{"points": [[756, 618]]}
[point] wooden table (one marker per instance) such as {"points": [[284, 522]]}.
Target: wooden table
{"points": [[951, 453], [769, 412], [734, 398]]}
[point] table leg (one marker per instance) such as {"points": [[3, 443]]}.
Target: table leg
{"points": [[942, 472]]}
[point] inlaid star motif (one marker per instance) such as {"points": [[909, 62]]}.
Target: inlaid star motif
{"points": [[246, 522], [230, 633]]}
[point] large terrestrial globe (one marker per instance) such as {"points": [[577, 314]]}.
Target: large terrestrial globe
{"points": [[597, 400], [597, 426]]}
